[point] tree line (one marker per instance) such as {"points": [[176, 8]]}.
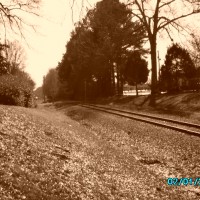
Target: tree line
{"points": [[106, 49]]}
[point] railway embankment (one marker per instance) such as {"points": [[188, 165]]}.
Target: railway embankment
{"points": [[185, 106]]}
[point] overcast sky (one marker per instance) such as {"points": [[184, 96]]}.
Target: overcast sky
{"points": [[47, 44]]}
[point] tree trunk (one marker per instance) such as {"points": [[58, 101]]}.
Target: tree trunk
{"points": [[136, 89], [85, 90], [121, 83], [118, 81], [112, 80], [44, 99], [153, 72]]}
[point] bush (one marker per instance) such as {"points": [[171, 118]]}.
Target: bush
{"points": [[16, 90]]}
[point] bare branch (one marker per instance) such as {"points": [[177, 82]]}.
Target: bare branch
{"points": [[72, 6], [144, 20], [138, 16], [168, 34], [4, 24], [14, 55], [14, 19], [170, 21], [165, 4], [155, 17]]}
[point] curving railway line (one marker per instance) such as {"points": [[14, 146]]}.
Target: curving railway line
{"points": [[180, 126]]}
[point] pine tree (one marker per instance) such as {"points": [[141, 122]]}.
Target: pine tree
{"points": [[178, 69]]}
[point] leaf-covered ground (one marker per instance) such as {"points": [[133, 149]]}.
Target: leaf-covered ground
{"points": [[72, 153]]}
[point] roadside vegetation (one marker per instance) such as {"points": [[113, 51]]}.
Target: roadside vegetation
{"points": [[16, 86]]}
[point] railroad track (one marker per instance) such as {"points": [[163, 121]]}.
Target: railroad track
{"points": [[180, 126]]}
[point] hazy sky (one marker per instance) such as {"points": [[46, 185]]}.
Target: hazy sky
{"points": [[47, 44]]}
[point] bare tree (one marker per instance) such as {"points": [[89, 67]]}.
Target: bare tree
{"points": [[13, 14], [15, 55], [159, 15]]}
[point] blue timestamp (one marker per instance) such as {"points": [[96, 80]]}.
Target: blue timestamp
{"points": [[183, 181]]}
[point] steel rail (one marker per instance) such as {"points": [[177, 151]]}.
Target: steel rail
{"points": [[123, 113], [149, 116]]}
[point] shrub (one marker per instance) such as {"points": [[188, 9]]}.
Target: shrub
{"points": [[16, 90]]}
